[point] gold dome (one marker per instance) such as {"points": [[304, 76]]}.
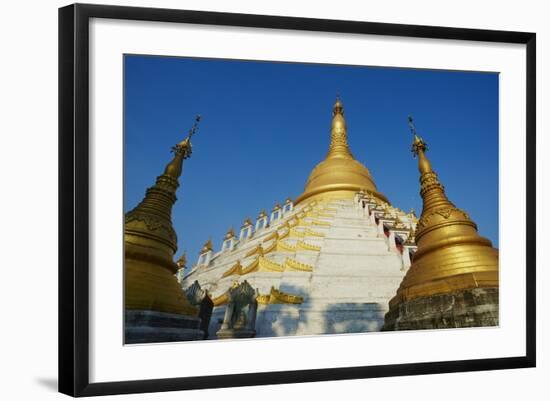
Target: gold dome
{"points": [[339, 175]]}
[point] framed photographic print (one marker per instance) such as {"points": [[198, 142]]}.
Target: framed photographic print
{"points": [[249, 199]]}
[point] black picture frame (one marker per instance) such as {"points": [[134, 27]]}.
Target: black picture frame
{"points": [[74, 198]]}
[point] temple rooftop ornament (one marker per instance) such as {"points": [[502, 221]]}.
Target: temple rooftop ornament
{"points": [[182, 261], [230, 233], [207, 247], [339, 174], [453, 263]]}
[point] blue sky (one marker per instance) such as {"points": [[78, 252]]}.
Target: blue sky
{"points": [[266, 125]]}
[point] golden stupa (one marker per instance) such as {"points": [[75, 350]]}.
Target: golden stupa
{"points": [[451, 255], [151, 242], [339, 175]]}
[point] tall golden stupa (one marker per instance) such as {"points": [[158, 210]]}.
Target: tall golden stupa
{"points": [[339, 176], [454, 277], [156, 309], [327, 262]]}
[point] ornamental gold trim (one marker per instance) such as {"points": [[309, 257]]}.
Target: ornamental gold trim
{"points": [[263, 264], [274, 297], [237, 268], [270, 248], [258, 250], [253, 267], [285, 247], [269, 265], [295, 233], [284, 234], [263, 299], [307, 247], [278, 297], [313, 233], [274, 235], [293, 264], [312, 214], [221, 300]]}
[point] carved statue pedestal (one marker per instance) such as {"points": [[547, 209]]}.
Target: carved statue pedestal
{"points": [[144, 326], [476, 307]]}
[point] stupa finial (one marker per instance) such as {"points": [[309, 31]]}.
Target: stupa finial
{"points": [[411, 124], [339, 147], [338, 107], [181, 151], [418, 143]]}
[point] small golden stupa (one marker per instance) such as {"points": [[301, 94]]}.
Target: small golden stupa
{"points": [[339, 175], [230, 234], [451, 256], [182, 261], [151, 243], [207, 247]]}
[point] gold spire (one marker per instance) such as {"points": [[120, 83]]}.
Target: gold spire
{"points": [[182, 261], [151, 242], [339, 175], [182, 151], [451, 255], [230, 233], [338, 134], [207, 247]]}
